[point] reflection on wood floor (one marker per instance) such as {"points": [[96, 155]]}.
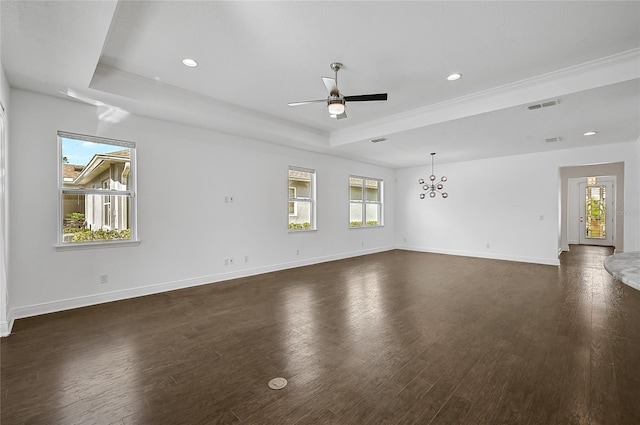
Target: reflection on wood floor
{"points": [[392, 338]]}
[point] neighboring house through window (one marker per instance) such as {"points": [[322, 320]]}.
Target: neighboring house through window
{"points": [[293, 206], [365, 201], [97, 188], [302, 193]]}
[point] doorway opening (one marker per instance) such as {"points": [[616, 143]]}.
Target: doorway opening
{"points": [[591, 202]]}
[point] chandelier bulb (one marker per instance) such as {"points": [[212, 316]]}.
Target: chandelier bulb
{"points": [[432, 177], [426, 187], [439, 186], [422, 196], [444, 179], [444, 194], [421, 181], [432, 194]]}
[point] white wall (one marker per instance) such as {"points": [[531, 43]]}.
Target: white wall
{"points": [[184, 174], [511, 203]]}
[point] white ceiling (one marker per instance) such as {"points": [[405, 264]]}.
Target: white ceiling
{"points": [[255, 57]]}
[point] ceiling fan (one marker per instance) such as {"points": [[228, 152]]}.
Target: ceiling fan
{"points": [[336, 102]]}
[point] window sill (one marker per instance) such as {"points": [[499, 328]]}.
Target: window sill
{"points": [[95, 245], [366, 227], [302, 231]]}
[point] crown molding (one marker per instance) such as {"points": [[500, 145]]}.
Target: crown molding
{"points": [[612, 69]]}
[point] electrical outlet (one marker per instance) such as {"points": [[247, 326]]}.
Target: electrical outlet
{"points": [[226, 261], [104, 278], [231, 261], [488, 245]]}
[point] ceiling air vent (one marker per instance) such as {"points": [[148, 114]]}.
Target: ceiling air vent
{"points": [[378, 140], [543, 105], [553, 139]]}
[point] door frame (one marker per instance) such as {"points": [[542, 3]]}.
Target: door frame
{"points": [[567, 188]]}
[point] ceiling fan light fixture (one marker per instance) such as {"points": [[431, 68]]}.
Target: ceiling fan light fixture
{"points": [[335, 106]]}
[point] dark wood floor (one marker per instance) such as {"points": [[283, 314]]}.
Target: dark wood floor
{"points": [[392, 338]]}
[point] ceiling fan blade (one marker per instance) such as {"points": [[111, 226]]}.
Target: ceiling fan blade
{"points": [[304, 102], [330, 84], [366, 97], [341, 116]]}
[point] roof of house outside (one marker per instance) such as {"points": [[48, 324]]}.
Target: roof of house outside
{"points": [[71, 170], [125, 153], [98, 164], [299, 175]]}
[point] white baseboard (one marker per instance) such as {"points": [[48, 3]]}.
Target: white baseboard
{"points": [[85, 301], [492, 256], [5, 328]]}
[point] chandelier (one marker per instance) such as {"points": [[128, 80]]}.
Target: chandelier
{"points": [[432, 187]]}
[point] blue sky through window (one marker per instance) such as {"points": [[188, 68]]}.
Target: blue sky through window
{"points": [[80, 152]]}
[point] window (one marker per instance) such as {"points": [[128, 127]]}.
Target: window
{"points": [[106, 212], [365, 201], [96, 190], [293, 206], [302, 193]]}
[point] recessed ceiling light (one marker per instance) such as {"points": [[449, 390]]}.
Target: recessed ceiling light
{"points": [[590, 133], [453, 77], [191, 63]]}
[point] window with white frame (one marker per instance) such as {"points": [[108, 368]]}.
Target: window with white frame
{"points": [[365, 201], [96, 183], [293, 207], [302, 193]]}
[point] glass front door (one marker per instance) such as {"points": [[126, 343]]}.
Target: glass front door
{"points": [[595, 212]]}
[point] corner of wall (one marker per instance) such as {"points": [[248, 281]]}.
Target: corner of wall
{"points": [[5, 323]]}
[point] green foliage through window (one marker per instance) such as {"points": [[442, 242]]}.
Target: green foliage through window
{"points": [[86, 235], [299, 226], [359, 223]]}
